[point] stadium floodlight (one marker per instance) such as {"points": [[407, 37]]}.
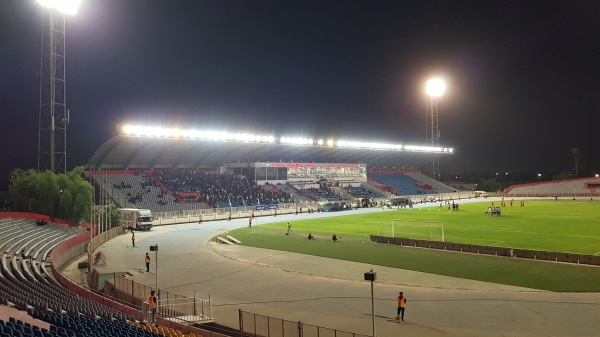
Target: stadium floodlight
{"points": [[435, 87], [330, 142], [366, 145], [64, 6], [418, 148], [296, 141], [160, 132], [320, 142]]}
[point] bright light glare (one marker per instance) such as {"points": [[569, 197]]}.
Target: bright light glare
{"points": [[222, 136], [418, 148], [435, 87], [372, 146], [64, 6], [296, 141], [158, 132]]}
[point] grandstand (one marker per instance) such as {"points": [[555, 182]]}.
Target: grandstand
{"points": [[581, 187], [177, 171], [24, 280], [25, 284], [407, 182], [144, 152]]}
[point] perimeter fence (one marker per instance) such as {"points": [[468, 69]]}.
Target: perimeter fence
{"points": [[257, 325]]}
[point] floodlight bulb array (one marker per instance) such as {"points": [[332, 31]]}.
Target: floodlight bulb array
{"points": [[372, 146], [296, 141], [159, 132], [435, 87], [64, 6]]}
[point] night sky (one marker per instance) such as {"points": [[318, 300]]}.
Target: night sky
{"points": [[523, 76]]}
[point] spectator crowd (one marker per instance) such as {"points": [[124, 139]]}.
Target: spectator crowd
{"points": [[220, 190]]}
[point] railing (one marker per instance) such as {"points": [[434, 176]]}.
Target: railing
{"points": [[422, 198], [551, 195], [253, 324], [183, 310], [171, 306], [236, 212]]}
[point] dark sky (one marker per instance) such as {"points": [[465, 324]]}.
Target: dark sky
{"points": [[523, 76]]}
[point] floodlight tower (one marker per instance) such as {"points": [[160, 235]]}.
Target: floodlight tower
{"points": [[434, 88], [54, 116]]}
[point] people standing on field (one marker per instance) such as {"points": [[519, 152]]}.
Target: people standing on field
{"points": [[153, 304], [401, 307], [147, 263], [132, 239]]}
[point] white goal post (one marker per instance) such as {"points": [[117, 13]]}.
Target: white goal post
{"points": [[417, 229]]}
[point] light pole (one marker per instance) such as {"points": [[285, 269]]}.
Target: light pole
{"points": [[155, 250], [53, 114], [575, 152], [434, 88], [371, 276]]}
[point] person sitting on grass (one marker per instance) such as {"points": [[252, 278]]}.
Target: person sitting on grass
{"points": [[310, 236], [334, 238]]}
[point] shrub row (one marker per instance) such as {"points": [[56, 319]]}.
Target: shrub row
{"points": [[491, 250]]}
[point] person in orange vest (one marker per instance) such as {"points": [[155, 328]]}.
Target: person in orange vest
{"points": [[200, 219], [229, 218], [147, 263], [252, 214], [130, 227], [401, 307], [132, 239], [250, 222], [152, 302]]}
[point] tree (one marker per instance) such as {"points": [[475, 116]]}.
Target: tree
{"points": [[489, 185], [65, 196]]}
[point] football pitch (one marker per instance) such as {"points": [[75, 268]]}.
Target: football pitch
{"points": [[564, 226]]}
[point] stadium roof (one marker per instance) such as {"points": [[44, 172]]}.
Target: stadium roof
{"points": [[129, 152]]}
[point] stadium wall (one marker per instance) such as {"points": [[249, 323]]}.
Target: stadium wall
{"points": [[491, 250]]}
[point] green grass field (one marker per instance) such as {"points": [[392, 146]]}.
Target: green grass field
{"points": [[567, 226]]}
